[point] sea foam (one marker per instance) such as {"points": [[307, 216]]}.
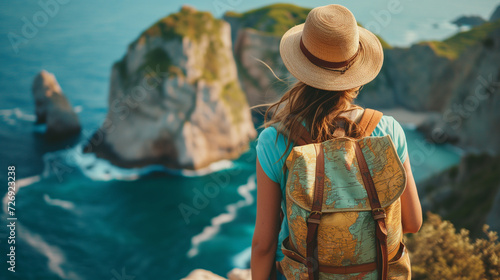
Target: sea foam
{"points": [[231, 212]]}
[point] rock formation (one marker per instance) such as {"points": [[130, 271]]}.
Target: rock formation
{"points": [[468, 194], [256, 36], [496, 14], [235, 274], [174, 97], [53, 108], [469, 90], [200, 274], [469, 21]]}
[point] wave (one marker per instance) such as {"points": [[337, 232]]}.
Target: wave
{"points": [[68, 205], [53, 254], [78, 109], [242, 259], [98, 169], [20, 183], [210, 231], [10, 116]]}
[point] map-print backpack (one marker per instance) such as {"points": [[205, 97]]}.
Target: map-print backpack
{"points": [[344, 209]]}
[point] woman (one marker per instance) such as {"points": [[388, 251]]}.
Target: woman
{"points": [[332, 58]]}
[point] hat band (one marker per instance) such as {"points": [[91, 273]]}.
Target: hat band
{"points": [[323, 63]]}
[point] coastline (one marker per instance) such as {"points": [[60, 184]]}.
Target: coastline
{"points": [[407, 117]]}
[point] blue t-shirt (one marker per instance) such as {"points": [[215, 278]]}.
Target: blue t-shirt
{"points": [[270, 150]]}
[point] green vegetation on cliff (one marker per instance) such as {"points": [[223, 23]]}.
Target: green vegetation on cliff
{"points": [[156, 62], [188, 22], [192, 24], [276, 19], [454, 46], [212, 62], [156, 58], [235, 99]]}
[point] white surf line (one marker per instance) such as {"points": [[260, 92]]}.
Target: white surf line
{"points": [[68, 205], [213, 167], [242, 259], [18, 113], [78, 109], [216, 222], [21, 183], [99, 169], [52, 253]]}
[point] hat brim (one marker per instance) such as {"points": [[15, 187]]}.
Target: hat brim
{"points": [[363, 69]]}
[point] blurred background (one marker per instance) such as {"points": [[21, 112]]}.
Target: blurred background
{"points": [[130, 129]]}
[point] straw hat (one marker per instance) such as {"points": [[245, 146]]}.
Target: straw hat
{"points": [[330, 51]]}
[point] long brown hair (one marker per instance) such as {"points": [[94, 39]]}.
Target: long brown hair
{"points": [[320, 110]]}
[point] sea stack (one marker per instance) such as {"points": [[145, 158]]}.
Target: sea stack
{"points": [[175, 99], [53, 108]]}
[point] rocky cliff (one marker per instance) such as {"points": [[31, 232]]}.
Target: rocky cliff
{"points": [[235, 274], [469, 89], [175, 98], [468, 194], [53, 108], [496, 14], [429, 75], [256, 36], [469, 21]]}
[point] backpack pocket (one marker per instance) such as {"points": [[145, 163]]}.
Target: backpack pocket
{"points": [[399, 266], [292, 267]]}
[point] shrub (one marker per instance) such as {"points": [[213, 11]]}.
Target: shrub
{"points": [[438, 251]]}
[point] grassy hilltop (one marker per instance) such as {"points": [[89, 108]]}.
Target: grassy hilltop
{"points": [[276, 19], [454, 46]]}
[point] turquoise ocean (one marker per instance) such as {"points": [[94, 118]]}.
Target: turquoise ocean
{"points": [[80, 217]]}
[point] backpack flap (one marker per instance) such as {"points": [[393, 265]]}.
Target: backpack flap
{"points": [[344, 190]]}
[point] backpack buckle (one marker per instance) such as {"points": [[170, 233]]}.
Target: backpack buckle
{"points": [[314, 217], [378, 213]]}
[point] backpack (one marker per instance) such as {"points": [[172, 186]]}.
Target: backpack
{"points": [[344, 209]]}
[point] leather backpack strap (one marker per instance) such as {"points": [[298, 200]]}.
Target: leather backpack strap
{"points": [[369, 121], [378, 214], [304, 136], [315, 216]]}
